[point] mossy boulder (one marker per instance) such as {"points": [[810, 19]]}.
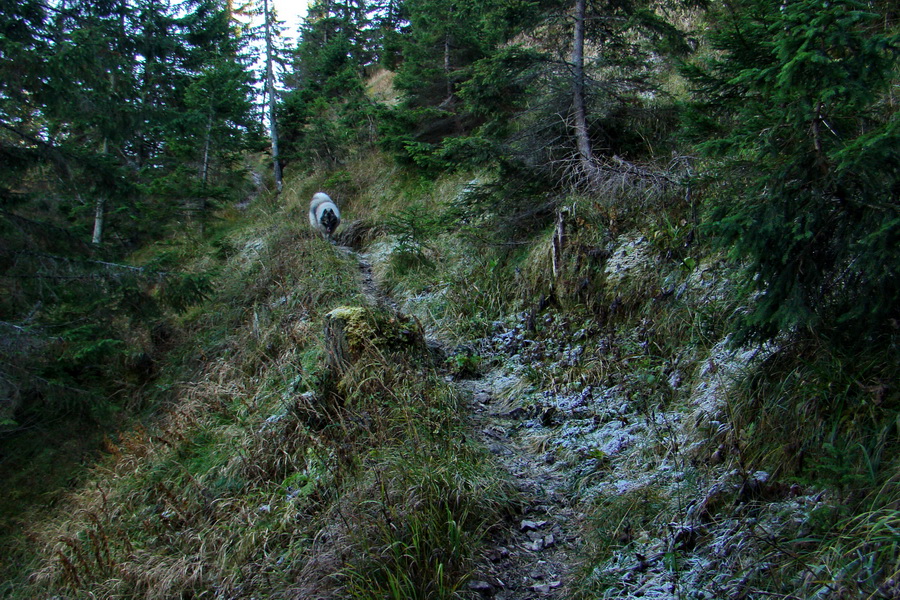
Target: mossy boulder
{"points": [[352, 332]]}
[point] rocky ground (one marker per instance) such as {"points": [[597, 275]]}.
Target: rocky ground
{"points": [[533, 556], [690, 525]]}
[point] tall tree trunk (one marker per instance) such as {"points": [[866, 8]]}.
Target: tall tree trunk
{"points": [[204, 167], [582, 138], [447, 67], [270, 89], [326, 14], [100, 209], [448, 46], [204, 176]]}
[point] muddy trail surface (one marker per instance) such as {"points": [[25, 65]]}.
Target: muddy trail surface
{"points": [[370, 289], [532, 555]]}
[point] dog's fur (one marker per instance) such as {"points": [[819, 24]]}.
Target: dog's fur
{"points": [[324, 214]]}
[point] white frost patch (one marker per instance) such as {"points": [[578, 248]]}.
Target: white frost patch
{"points": [[425, 307], [708, 282], [625, 486], [632, 253], [585, 437], [252, 249], [379, 253], [720, 372], [505, 383]]}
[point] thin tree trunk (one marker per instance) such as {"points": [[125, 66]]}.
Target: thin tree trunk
{"points": [[204, 167], [559, 243], [204, 177], [447, 67], [270, 88], [582, 138], [99, 212], [100, 209]]}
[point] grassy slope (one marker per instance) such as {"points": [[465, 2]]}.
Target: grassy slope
{"points": [[265, 478], [259, 475], [757, 471]]}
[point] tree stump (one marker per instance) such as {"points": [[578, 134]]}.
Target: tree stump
{"points": [[352, 330], [558, 245], [345, 329]]}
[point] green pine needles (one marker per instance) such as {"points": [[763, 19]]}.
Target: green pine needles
{"points": [[810, 138]]}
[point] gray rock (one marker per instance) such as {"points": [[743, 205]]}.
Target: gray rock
{"points": [[532, 525]]}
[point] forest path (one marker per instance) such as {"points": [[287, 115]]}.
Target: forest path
{"points": [[368, 285], [532, 555]]}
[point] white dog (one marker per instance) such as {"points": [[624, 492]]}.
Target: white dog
{"points": [[324, 214]]}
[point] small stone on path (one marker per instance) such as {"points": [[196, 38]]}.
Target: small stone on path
{"points": [[480, 586], [532, 525]]}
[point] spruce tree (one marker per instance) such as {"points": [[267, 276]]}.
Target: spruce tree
{"points": [[23, 49], [326, 112], [214, 120], [800, 108], [442, 46], [121, 108]]}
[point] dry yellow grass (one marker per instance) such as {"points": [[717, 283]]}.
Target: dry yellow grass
{"points": [[380, 87]]}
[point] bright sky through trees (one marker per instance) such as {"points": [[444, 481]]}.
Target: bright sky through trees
{"points": [[292, 13]]}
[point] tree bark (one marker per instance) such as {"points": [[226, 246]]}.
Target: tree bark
{"points": [[99, 213], [447, 67], [559, 242], [337, 348], [582, 139], [200, 207], [204, 167], [100, 209], [270, 89]]}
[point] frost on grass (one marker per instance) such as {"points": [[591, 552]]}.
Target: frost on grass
{"points": [[632, 254], [719, 373], [713, 527], [252, 250]]}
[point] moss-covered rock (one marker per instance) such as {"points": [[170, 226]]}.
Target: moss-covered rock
{"points": [[353, 331]]}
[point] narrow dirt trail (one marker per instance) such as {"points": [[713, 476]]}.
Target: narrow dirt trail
{"points": [[368, 285], [531, 556]]}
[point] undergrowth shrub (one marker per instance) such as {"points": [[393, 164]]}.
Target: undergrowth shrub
{"points": [[629, 293], [612, 254], [615, 523], [415, 496], [823, 418], [197, 499], [430, 511], [483, 290], [454, 279], [251, 465], [413, 228]]}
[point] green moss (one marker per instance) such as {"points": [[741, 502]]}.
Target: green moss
{"points": [[358, 328], [364, 328]]}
